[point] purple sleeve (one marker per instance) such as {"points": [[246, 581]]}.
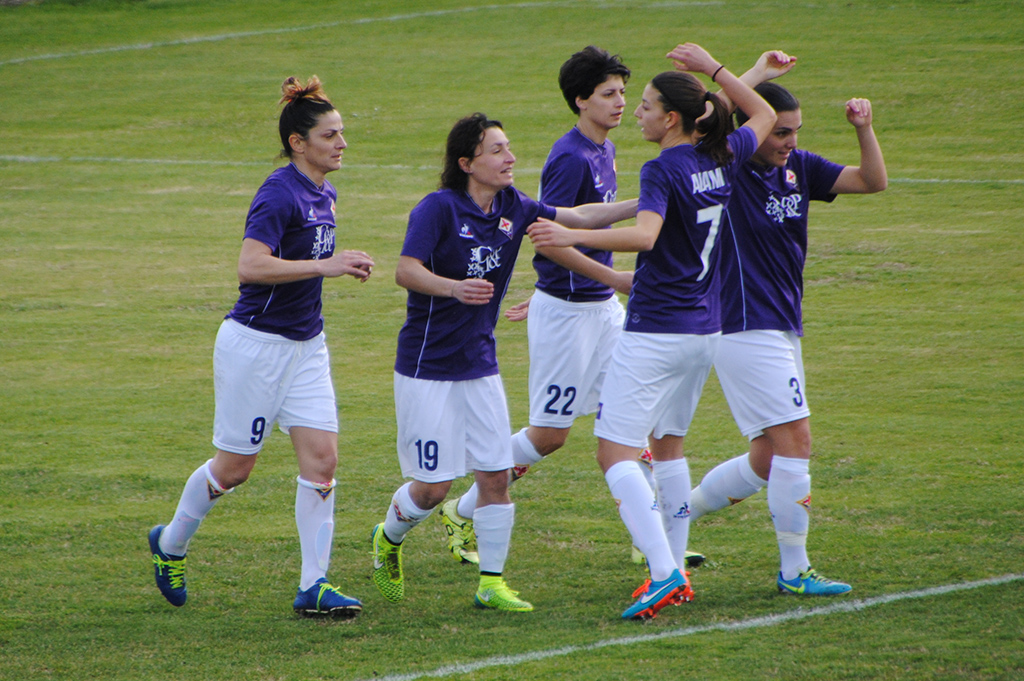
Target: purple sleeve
{"points": [[654, 189], [822, 175], [561, 180], [424, 230], [743, 143], [269, 215]]}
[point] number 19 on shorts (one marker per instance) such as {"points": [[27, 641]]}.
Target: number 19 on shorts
{"points": [[426, 454]]}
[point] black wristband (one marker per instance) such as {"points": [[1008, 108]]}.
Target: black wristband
{"points": [[716, 72]]}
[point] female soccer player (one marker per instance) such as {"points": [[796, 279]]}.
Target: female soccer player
{"points": [[459, 253], [573, 320], [270, 360], [664, 355], [759, 361]]}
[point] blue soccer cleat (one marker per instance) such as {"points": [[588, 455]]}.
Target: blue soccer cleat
{"points": [[324, 600], [170, 570], [810, 583], [653, 596]]}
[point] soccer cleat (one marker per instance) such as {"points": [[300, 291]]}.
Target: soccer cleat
{"points": [[810, 583], [324, 600], [653, 596], [170, 570], [494, 593], [693, 559], [459, 531], [387, 565]]}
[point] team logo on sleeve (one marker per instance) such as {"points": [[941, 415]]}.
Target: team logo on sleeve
{"points": [[466, 232], [505, 225]]}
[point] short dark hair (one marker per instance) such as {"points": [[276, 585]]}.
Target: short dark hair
{"points": [[778, 97], [465, 136], [303, 107], [584, 71]]}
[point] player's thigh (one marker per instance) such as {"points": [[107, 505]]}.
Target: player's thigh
{"points": [[309, 399], [431, 429], [570, 347], [762, 377], [653, 383], [488, 432], [248, 367]]}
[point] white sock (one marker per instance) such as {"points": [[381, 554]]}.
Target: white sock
{"points": [[197, 499], [632, 494], [493, 525], [726, 484], [789, 500], [314, 516], [523, 454], [403, 515], [672, 481]]}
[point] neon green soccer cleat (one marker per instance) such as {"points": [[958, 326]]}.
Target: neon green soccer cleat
{"points": [[387, 566], [494, 593], [459, 530]]}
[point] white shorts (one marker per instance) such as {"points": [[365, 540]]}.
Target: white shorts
{"points": [[570, 347], [762, 376], [447, 428], [653, 386], [261, 378]]}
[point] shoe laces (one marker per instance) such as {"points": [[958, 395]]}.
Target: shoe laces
{"points": [[175, 570]]}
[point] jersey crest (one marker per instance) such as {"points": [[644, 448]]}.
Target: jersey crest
{"points": [[791, 178], [505, 225]]}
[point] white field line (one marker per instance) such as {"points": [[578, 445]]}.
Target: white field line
{"points": [[394, 166], [349, 22], [756, 622]]}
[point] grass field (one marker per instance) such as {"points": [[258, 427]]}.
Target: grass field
{"points": [[133, 135]]}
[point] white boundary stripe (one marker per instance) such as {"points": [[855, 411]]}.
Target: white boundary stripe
{"points": [[334, 24], [384, 166], [766, 621]]}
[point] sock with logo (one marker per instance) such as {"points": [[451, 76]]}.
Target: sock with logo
{"points": [[403, 515], [726, 484], [314, 517], [672, 483], [523, 454], [493, 525], [197, 499], [789, 500], [632, 494]]}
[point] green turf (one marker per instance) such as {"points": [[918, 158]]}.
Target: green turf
{"points": [[125, 175]]}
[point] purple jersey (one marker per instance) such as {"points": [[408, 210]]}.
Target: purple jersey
{"points": [[763, 254], [676, 284], [442, 339], [578, 171], [295, 218]]}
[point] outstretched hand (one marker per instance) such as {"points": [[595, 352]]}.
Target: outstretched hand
{"points": [[774, 63], [694, 58], [858, 112], [519, 311], [545, 233]]}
